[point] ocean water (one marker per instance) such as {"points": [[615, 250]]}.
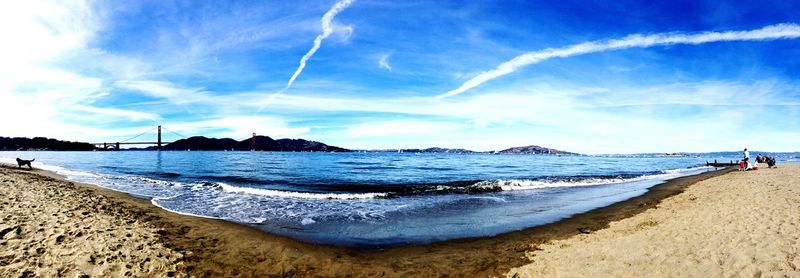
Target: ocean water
{"points": [[371, 200]]}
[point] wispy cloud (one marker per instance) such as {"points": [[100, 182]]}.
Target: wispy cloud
{"points": [[772, 32], [561, 115], [383, 62], [165, 90], [130, 115], [400, 127], [327, 29]]}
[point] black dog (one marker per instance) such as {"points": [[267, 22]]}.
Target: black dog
{"points": [[23, 162]]}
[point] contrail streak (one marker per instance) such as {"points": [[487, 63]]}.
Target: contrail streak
{"points": [[327, 29], [772, 32]]}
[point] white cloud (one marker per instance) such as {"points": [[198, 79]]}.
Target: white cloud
{"points": [[400, 127], [38, 31], [344, 32], [772, 32], [629, 118], [166, 90], [711, 93], [383, 62], [113, 112], [38, 97]]}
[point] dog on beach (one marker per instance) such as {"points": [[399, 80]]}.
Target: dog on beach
{"points": [[23, 162]]}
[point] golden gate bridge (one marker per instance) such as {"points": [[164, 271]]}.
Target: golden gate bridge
{"points": [[158, 143]]}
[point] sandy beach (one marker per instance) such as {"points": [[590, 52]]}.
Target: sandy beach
{"points": [[742, 224], [719, 223], [55, 228]]}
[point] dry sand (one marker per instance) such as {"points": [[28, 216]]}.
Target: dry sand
{"points": [[51, 226], [53, 229], [742, 224]]}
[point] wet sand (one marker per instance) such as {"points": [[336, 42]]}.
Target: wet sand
{"points": [[742, 224], [121, 235]]}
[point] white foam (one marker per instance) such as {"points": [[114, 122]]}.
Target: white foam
{"points": [[511, 185], [307, 221], [517, 184], [683, 171], [302, 195], [152, 181], [496, 199], [154, 201]]}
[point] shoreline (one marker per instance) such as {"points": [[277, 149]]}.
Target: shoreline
{"points": [[217, 247]]}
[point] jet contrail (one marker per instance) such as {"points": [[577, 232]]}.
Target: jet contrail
{"points": [[772, 32], [327, 29]]}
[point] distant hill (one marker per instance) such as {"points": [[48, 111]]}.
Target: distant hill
{"points": [[533, 149], [41, 144], [263, 143], [200, 143]]}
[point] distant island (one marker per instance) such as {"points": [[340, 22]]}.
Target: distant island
{"points": [[532, 149]]}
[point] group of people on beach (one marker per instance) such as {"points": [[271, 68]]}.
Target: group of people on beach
{"points": [[746, 164], [769, 160]]}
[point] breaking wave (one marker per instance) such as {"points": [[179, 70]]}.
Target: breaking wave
{"points": [[296, 194]]}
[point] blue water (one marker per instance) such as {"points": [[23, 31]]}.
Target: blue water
{"points": [[371, 199]]}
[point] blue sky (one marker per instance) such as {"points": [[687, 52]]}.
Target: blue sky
{"points": [[584, 76]]}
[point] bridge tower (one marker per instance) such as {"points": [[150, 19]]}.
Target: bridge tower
{"points": [[159, 138], [253, 142]]}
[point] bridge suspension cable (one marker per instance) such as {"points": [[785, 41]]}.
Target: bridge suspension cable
{"points": [[140, 134], [173, 132]]}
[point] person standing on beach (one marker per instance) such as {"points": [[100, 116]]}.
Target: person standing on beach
{"points": [[746, 155]]}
